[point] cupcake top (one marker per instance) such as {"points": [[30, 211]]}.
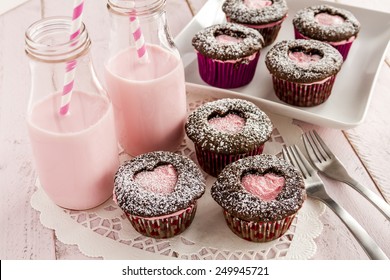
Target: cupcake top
{"points": [[228, 126], [326, 23], [260, 188], [157, 183], [303, 61], [227, 41], [255, 11]]}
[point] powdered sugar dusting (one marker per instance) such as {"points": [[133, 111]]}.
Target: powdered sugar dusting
{"points": [[160, 180], [306, 23], [256, 131], [248, 41], [134, 199], [229, 193], [282, 66], [242, 12], [231, 123]]}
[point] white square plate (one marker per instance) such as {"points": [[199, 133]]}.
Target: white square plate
{"points": [[351, 95]]}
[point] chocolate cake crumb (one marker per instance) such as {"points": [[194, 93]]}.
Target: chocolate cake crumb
{"points": [[238, 12], [230, 194], [304, 21], [206, 43], [135, 200], [256, 131], [280, 65]]}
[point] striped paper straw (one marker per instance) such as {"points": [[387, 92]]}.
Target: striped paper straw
{"points": [[138, 38], [71, 65]]}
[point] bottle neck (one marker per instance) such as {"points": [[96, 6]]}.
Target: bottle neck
{"points": [[137, 8], [134, 23], [48, 40]]}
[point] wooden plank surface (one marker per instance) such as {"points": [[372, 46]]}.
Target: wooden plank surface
{"points": [[23, 236]]}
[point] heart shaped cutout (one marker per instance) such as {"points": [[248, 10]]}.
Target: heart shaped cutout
{"points": [[266, 187], [304, 57], [257, 4], [229, 123], [161, 180], [328, 19]]}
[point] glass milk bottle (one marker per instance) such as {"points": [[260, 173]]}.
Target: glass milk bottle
{"points": [[74, 142], [144, 77]]}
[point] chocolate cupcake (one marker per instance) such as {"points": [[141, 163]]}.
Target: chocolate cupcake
{"points": [[227, 54], [158, 192], [303, 71], [265, 16], [226, 130], [260, 196], [325, 23]]}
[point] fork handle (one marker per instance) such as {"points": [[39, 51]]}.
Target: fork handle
{"points": [[376, 200], [367, 243]]}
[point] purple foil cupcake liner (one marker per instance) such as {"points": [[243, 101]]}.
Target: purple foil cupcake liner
{"points": [[342, 48], [258, 231], [164, 227], [214, 163], [226, 74], [303, 95], [269, 33]]}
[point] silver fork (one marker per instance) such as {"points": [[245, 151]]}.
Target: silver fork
{"points": [[315, 189], [326, 162]]}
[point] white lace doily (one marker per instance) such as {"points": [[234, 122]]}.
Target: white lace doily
{"points": [[105, 232]]}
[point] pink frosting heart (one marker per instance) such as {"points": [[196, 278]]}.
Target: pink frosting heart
{"points": [[303, 59], [226, 39], [266, 187], [257, 4], [161, 180], [230, 124], [328, 19]]}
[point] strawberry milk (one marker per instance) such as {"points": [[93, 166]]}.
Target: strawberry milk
{"points": [[76, 155], [149, 99]]}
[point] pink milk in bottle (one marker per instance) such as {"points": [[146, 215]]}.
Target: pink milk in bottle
{"points": [[145, 78], [75, 151], [76, 155], [149, 100]]}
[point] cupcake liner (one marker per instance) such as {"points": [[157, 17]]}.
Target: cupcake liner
{"points": [[226, 74], [269, 33], [303, 95], [299, 35], [164, 227], [213, 163], [258, 231], [342, 48]]}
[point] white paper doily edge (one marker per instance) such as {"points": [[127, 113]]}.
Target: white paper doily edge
{"points": [[71, 233]]}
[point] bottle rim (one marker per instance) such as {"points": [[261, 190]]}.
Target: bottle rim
{"points": [[135, 8], [49, 40]]}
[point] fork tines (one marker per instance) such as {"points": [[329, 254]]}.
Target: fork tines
{"points": [[294, 155], [316, 147]]}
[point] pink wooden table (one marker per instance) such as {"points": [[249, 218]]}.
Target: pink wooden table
{"points": [[364, 149]]}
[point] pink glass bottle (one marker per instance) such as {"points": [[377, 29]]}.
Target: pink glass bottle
{"points": [[148, 93], [76, 154]]}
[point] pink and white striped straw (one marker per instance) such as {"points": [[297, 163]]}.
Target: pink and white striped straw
{"points": [[71, 65], [138, 38]]}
